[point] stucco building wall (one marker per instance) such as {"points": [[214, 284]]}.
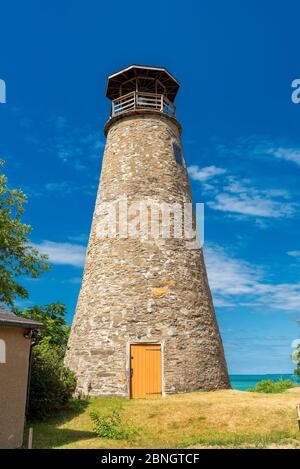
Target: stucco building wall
{"points": [[13, 386]]}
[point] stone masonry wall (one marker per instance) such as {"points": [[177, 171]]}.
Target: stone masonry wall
{"points": [[144, 290]]}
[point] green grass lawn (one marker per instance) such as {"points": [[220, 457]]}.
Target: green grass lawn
{"points": [[221, 418]]}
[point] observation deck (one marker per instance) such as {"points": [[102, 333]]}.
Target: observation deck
{"points": [[139, 87]]}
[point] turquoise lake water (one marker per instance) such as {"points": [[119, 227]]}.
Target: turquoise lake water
{"points": [[243, 382]]}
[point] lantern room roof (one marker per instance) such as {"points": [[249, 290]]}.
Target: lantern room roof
{"points": [[125, 81]]}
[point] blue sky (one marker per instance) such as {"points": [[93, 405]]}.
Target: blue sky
{"points": [[235, 61]]}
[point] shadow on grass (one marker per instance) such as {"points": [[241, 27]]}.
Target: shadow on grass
{"points": [[47, 434], [54, 437], [74, 408]]}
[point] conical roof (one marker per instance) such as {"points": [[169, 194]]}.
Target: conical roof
{"points": [[125, 80]]}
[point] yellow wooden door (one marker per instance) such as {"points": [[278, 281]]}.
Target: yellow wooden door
{"points": [[145, 368]]}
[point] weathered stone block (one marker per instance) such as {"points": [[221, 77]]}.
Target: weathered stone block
{"points": [[144, 291]]}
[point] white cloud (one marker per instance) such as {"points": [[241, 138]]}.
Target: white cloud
{"points": [[74, 280], [294, 254], [235, 282], [288, 154], [80, 238], [241, 197], [258, 146], [58, 187], [203, 174], [67, 188], [228, 276], [251, 205], [63, 253], [74, 145]]}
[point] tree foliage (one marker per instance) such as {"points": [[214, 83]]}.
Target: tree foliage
{"points": [[52, 383], [296, 357], [273, 387], [55, 330], [17, 256]]}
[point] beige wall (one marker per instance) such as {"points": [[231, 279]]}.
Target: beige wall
{"points": [[13, 386]]}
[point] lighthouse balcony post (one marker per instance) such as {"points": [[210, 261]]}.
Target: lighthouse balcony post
{"points": [[138, 100]]}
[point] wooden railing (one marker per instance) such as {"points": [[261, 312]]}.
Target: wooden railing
{"points": [[139, 100]]}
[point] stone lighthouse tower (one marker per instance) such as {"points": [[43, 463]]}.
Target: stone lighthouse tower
{"points": [[145, 324]]}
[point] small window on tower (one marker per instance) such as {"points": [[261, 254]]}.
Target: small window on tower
{"points": [[177, 153]]}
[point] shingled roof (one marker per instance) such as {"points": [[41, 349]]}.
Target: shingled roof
{"points": [[7, 318], [126, 76]]}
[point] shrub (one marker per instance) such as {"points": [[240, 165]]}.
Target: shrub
{"points": [[52, 384], [271, 386], [296, 358], [110, 426]]}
